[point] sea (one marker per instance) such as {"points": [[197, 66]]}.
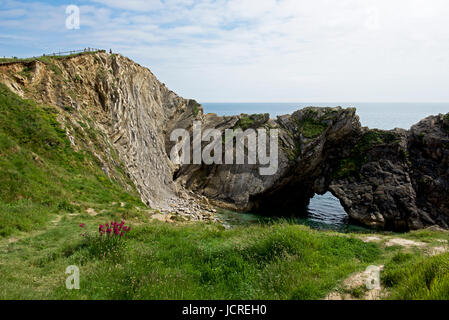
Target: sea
{"points": [[325, 211]]}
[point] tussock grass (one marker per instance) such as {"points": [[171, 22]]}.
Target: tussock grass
{"points": [[418, 278]]}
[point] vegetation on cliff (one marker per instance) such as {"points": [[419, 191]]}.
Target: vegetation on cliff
{"points": [[350, 166], [311, 123], [253, 121]]}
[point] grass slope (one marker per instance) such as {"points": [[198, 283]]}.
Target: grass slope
{"points": [[41, 174]]}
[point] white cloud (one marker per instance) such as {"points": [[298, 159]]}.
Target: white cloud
{"points": [[134, 5], [269, 50]]}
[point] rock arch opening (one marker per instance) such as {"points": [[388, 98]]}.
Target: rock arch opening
{"points": [[302, 201], [327, 209]]}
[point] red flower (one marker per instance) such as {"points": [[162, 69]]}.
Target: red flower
{"points": [[112, 228], [82, 225]]}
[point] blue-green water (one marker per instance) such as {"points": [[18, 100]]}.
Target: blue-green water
{"points": [[325, 212]]}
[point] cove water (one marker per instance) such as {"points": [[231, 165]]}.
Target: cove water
{"points": [[325, 212]]}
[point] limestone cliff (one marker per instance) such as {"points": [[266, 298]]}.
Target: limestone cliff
{"points": [[126, 104], [394, 179]]}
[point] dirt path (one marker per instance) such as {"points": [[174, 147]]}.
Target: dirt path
{"points": [[358, 287], [363, 285]]}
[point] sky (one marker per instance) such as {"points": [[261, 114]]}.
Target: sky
{"points": [[255, 50]]}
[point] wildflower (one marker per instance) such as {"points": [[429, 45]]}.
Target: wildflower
{"points": [[113, 228], [82, 225]]}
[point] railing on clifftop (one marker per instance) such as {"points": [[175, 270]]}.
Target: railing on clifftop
{"points": [[8, 60]]}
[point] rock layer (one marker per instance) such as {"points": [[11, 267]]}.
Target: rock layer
{"points": [[395, 180]]}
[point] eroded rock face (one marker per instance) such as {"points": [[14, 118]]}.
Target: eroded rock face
{"points": [[428, 146], [400, 182], [373, 183], [394, 179]]}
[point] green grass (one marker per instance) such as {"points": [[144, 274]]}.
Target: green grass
{"points": [[311, 125], [205, 261], [41, 174], [311, 129], [244, 123], [253, 121], [410, 277], [26, 72], [358, 292], [46, 58], [429, 236], [196, 261]]}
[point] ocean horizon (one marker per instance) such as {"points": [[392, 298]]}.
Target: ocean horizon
{"points": [[380, 115]]}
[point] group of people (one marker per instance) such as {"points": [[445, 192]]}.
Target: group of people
{"points": [[88, 49]]}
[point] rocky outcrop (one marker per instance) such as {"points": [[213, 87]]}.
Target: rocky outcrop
{"points": [[398, 180], [373, 182], [395, 180], [326, 149], [428, 147]]}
